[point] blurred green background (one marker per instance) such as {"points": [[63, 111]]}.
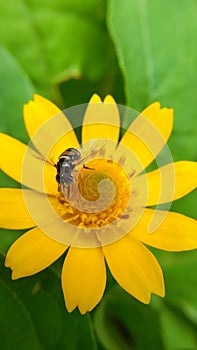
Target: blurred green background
{"points": [[139, 51]]}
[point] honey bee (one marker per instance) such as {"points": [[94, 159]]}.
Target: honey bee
{"points": [[67, 161], [72, 157]]}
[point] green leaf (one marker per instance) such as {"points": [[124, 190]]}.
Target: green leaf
{"points": [[181, 276], [55, 40], [177, 333], [180, 281], [78, 91], [16, 89], [123, 323], [33, 315], [186, 205], [155, 43]]}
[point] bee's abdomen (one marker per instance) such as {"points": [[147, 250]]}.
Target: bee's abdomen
{"points": [[66, 178]]}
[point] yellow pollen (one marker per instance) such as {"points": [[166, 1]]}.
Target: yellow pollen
{"points": [[99, 195]]}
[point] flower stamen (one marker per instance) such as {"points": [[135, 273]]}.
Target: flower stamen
{"points": [[99, 195]]}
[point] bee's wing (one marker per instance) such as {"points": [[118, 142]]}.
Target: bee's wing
{"points": [[91, 149]]}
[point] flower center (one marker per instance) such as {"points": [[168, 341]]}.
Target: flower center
{"points": [[99, 195]]}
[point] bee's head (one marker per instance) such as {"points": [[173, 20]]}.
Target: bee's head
{"points": [[71, 153]]}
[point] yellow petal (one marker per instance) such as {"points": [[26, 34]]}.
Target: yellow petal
{"points": [[38, 174], [11, 156], [83, 278], [148, 133], [13, 163], [95, 98], [13, 211], [101, 119], [38, 112], [109, 99], [46, 124], [68, 140], [176, 233], [135, 268], [32, 253], [170, 182]]}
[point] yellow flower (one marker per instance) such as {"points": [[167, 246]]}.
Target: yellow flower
{"points": [[117, 231]]}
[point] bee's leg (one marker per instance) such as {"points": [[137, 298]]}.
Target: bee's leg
{"points": [[68, 192], [86, 167]]}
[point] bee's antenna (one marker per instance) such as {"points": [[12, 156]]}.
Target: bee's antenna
{"points": [[37, 155]]}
